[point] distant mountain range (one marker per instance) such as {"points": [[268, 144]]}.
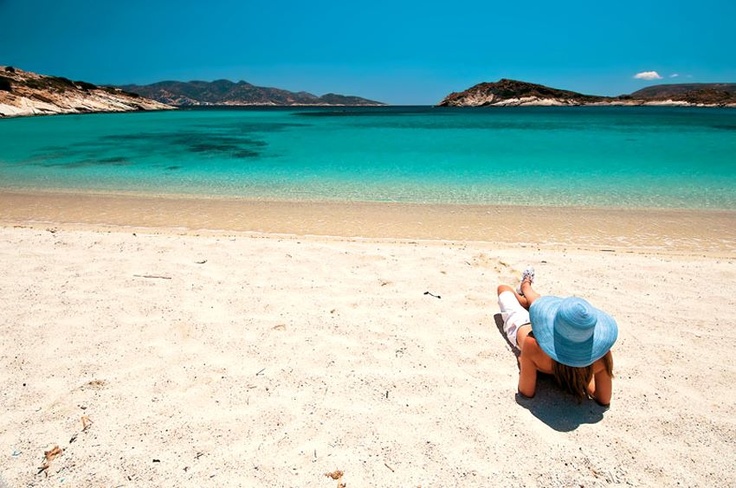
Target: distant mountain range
{"points": [[26, 93], [511, 93], [224, 92]]}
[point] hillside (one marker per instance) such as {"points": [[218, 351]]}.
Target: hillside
{"points": [[26, 93], [515, 93], [695, 93], [504, 93], [225, 92]]}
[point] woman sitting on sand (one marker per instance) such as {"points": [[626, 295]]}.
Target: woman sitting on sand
{"points": [[568, 338]]}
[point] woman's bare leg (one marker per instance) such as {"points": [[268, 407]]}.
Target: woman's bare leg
{"points": [[522, 299], [529, 293]]}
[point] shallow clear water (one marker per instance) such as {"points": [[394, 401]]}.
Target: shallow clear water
{"points": [[587, 156]]}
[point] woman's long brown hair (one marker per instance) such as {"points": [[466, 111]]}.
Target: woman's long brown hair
{"points": [[576, 380]]}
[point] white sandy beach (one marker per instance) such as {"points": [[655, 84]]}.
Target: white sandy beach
{"points": [[215, 355]]}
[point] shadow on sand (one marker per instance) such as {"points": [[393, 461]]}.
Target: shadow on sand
{"points": [[554, 407]]}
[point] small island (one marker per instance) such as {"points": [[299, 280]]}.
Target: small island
{"points": [[513, 93]]}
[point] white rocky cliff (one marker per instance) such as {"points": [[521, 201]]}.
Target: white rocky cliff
{"points": [[26, 93]]}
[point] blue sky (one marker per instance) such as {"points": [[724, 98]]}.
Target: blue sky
{"points": [[399, 52]]}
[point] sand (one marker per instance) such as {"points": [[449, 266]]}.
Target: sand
{"points": [[159, 351]]}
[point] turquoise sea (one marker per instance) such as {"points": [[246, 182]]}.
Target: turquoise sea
{"points": [[579, 156]]}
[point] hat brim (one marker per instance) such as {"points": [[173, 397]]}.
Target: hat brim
{"points": [[542, 314]]}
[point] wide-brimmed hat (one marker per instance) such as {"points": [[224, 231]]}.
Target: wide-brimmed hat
{"points": [[571, 330]]}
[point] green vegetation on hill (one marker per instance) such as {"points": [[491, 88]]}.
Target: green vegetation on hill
{"points": [[52, 83], [5, 84]]}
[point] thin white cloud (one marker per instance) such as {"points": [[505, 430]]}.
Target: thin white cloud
{"points": [[674, 75], [648, 75]]}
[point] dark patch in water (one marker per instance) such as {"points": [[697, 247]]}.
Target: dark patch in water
{"points": [[173, 168], [196, 142], [77, 164], [245, 154], [249, 127], [724, 126], [54, 162], [236, 139], [361, 112], [222, 146], [200, 147], [113, 160], [340, 113]]}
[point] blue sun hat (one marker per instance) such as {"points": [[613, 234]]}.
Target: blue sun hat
{"points": [[572, 331]]}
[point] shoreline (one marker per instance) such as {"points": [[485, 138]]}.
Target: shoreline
{"points": [[662, 230]]}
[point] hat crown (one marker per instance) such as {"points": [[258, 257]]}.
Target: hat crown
{"points": [[571, 331], [575, 320]]}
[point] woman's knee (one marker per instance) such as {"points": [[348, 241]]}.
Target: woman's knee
{"points": [[503, 288]]}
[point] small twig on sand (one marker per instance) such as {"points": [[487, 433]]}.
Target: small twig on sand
{"points": [[389, 467], [335, 475], [153, 276], [50, 455], [432, 294]]}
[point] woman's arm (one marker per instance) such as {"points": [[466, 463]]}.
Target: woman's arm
{"points": [[601, 385], [527, 367]]}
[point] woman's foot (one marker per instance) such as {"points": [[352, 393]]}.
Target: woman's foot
{"points": [[526, 276]]}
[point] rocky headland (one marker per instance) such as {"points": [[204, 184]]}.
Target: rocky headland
{"points": [[225, 92], [513, 93], [26, 93]]}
